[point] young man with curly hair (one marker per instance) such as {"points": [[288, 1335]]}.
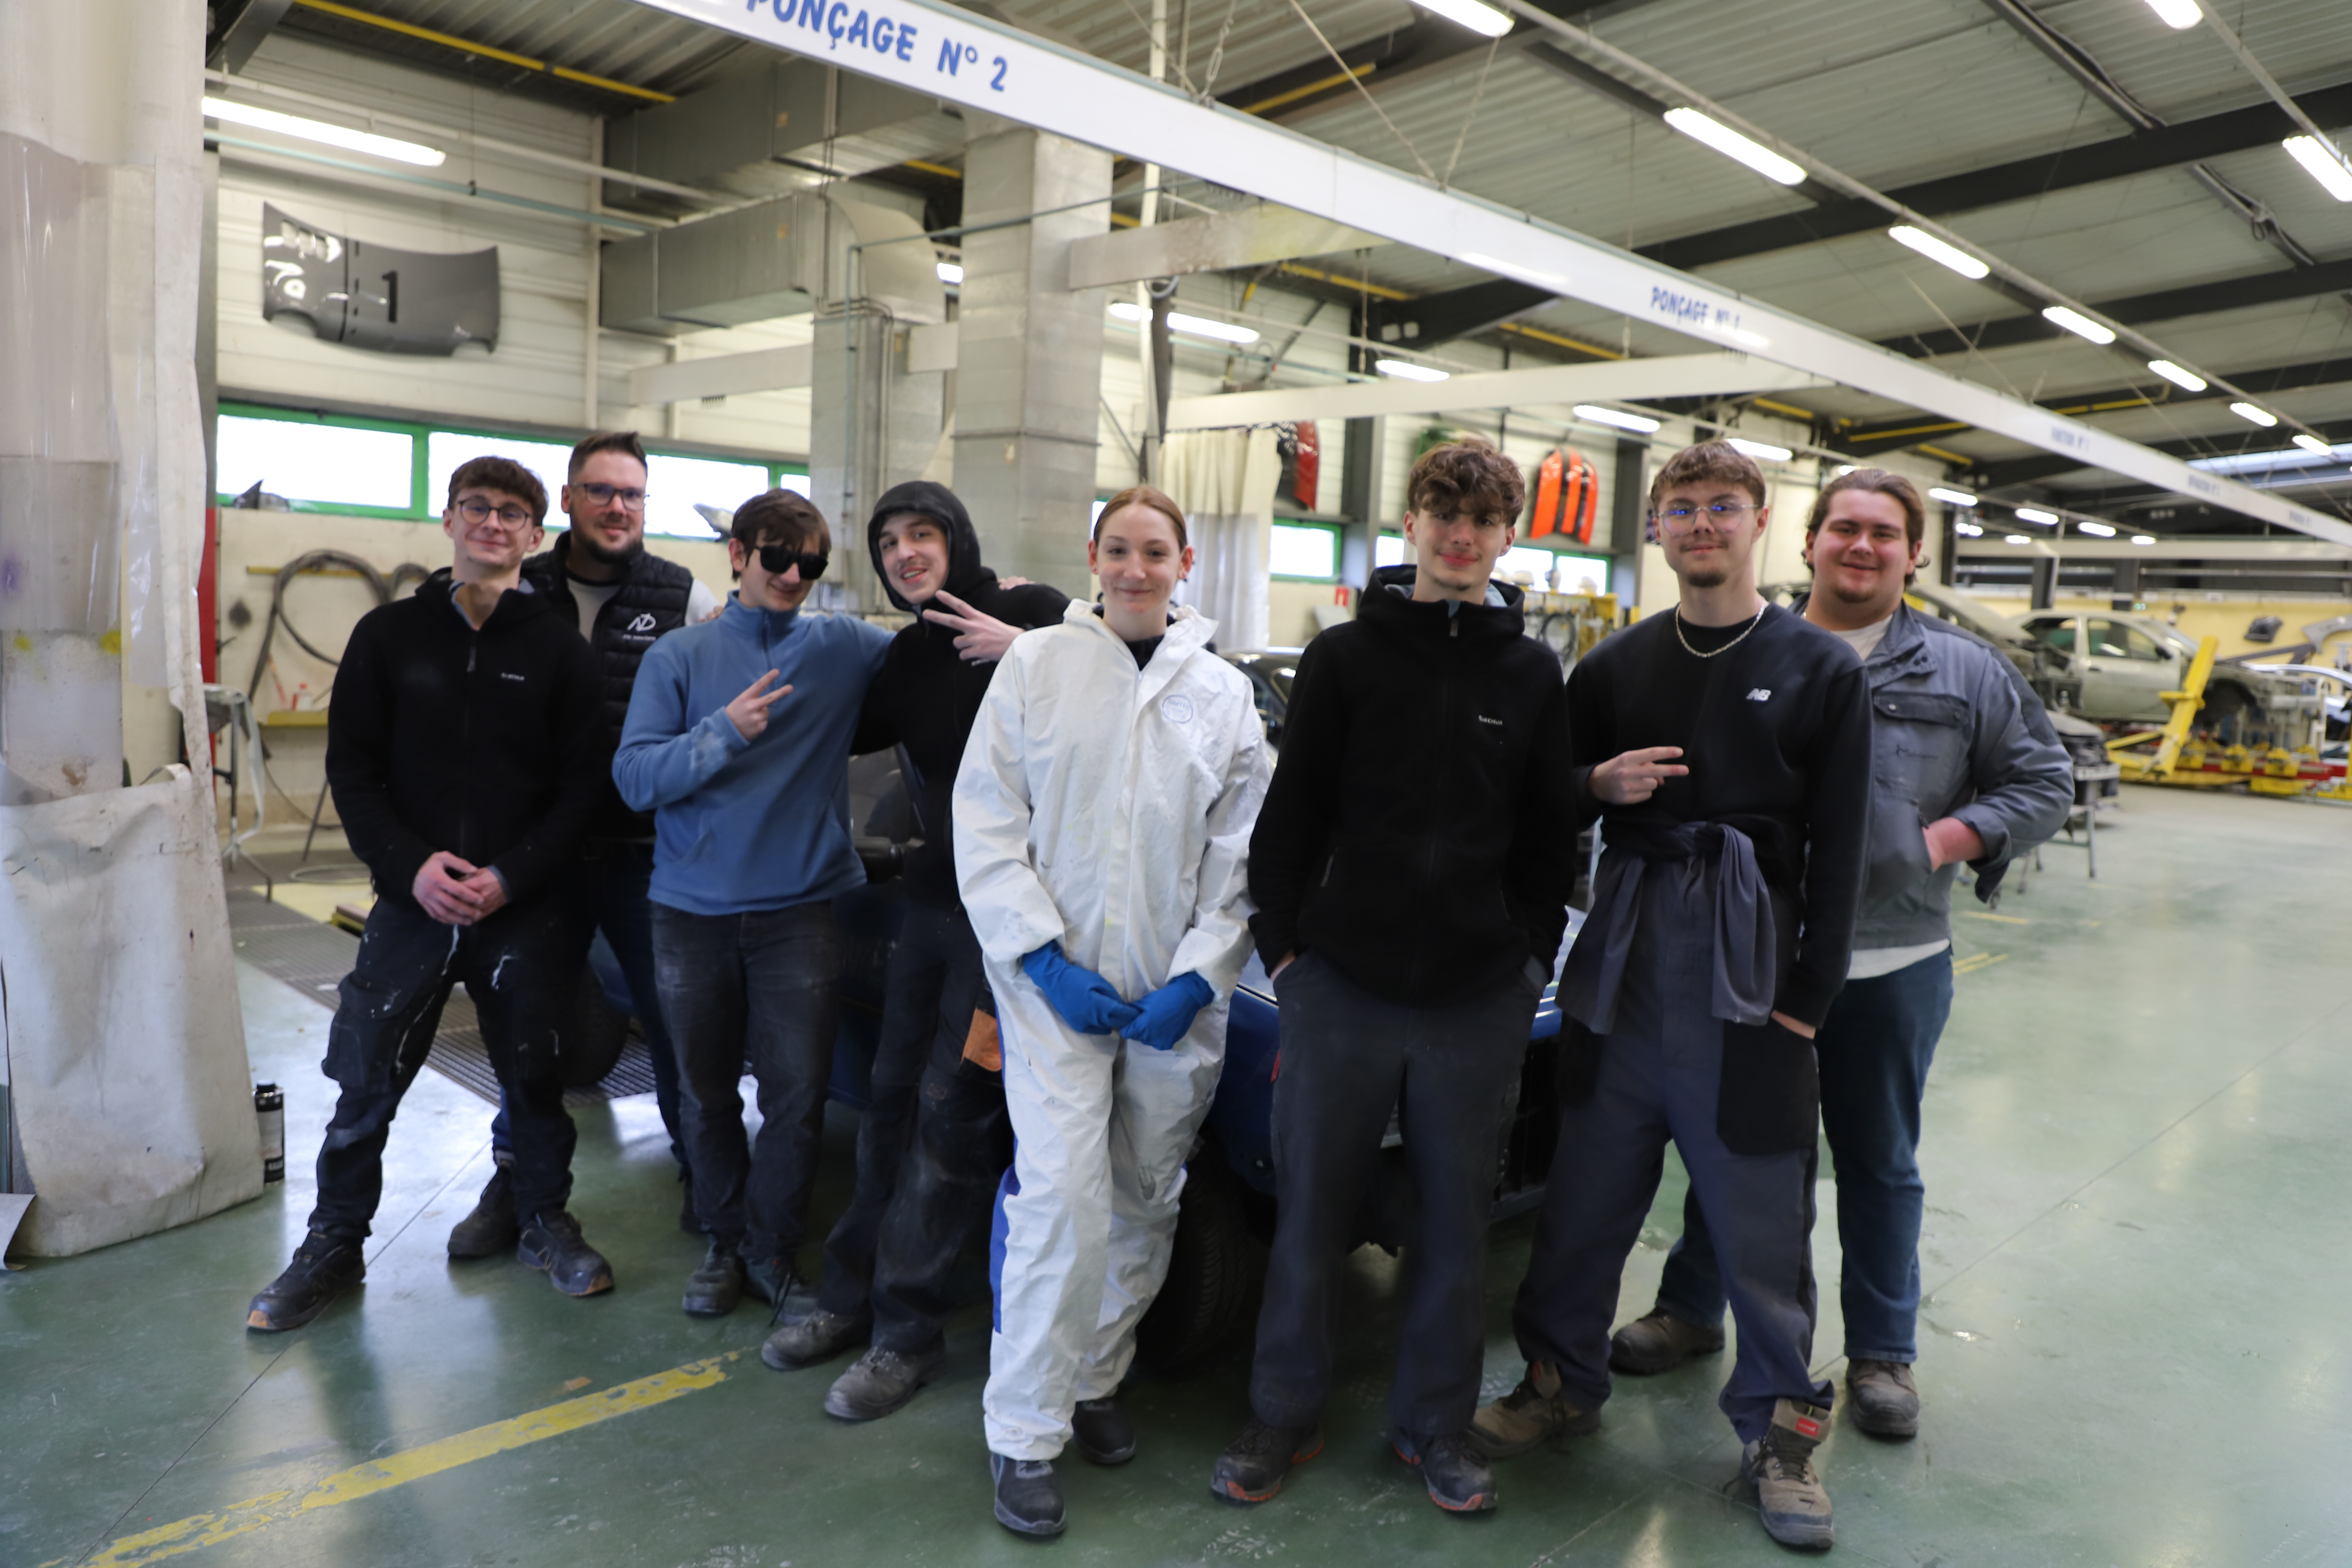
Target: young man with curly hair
{"points": [[1411, 869]]}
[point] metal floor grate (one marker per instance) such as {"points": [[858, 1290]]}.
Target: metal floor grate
{"points": [[313, 958]]}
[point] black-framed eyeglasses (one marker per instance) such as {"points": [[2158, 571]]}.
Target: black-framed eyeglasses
{"points": [[1682, 519], [631, 500], [475, 510], [776, 559]]}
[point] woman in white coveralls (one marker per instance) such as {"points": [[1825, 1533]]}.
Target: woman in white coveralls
{"points": [[1102, 824]]}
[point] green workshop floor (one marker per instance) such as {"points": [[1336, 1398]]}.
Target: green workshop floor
{"points": [[2139, 1249]]}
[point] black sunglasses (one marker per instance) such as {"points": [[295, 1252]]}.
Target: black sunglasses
{"points": [[778, 559]]}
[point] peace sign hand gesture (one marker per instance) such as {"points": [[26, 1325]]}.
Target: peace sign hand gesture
{"points": [[750, 712]]}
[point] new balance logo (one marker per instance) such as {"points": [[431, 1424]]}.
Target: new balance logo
{"points": [[1761, 694]]}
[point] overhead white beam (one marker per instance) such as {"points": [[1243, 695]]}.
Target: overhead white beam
{"points": [[936, 48], [1214, 242], [722, 376], [1609, 381]]}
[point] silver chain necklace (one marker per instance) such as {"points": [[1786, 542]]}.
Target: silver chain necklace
{"points": [[1727, 647]]}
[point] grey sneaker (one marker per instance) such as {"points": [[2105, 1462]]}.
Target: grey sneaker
{"points": [[881, 1382], [1794, 1505], [820, 1336], [1660, 1342], [1028, 1497], [1532, 1414], [1886, 1400]]}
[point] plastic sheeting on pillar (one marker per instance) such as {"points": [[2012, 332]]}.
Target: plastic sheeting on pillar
{"points": [[1225, 480]]}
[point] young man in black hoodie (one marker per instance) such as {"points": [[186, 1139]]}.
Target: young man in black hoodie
{"points": [[917, 1204], [463, 746], [1411, 869], [623, 598], [1726, 744]]}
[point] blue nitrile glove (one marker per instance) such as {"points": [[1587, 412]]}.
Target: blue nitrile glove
{"points": [[1164, 1015], [1084, 999]]}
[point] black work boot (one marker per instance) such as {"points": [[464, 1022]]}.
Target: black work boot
{"points": [[492, 1227], [1885, 1399], [1660, 1341], [1255, 1465], [1452, 1467], [716, 1286], [551, 1242], [817, 1336], [1534, 1413], [1028, 1497], [1102, 1431], [879, 1382], [323, 1266], [1794, 1505]]}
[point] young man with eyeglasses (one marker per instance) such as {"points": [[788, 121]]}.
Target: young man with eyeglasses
{"points": [[1968, 769], [463, 747], [738, 742], [1726, 744], [623, 598]]}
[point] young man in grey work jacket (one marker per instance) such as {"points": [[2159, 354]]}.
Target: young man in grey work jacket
{"points": [[1968, 769]]}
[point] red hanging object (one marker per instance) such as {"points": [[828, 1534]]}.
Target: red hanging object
{"points": [[1567, 496], [1308, 466]]}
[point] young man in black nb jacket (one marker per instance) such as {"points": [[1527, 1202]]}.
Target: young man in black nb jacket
{"points": [[934, 1139], [1725, 744], [466, 753], [1411, 869]]}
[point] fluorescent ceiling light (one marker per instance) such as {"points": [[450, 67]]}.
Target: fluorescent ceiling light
{"points": [[2323, 162], [2177, 13], [1405, 370], [2143, 539], [1967, 530], [1601, 416], [2261, 417], [2099, 529], [1193, 326], [1935, 250], [2035, 514], [951, 272], [2310, 443], [2187, 379], [1483, 20], [1957, 498], [2016, 539], [2080, 325], [1763, 451], [1732, 144], [320, 131]]}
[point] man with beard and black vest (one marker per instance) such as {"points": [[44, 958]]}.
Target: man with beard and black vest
{"points": [[1411, 869], [601, 576], [935, 1138]]}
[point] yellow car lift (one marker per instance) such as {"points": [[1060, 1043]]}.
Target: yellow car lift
{"points": [[2158, 766], [2179, 759]]}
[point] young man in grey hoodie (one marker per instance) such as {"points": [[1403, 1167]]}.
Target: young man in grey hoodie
{"points": [[1966, 769]]}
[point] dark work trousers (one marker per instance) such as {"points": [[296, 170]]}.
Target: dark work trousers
{"points": [[521, 967], [1658, 1073], [924, 1192], [616, 877], [756, 986], [1875, 1047], [1347, 1059]]}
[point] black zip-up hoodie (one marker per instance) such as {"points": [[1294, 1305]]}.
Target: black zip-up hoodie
{"points": [[485, 744], [1418, 832], [926, 697]]}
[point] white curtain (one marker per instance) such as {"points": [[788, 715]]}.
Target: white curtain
{"points": [[1224, 481]]}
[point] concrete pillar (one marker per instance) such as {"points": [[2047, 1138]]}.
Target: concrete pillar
{"points": [[1628, 511], [871, 425], [1029, 350]]}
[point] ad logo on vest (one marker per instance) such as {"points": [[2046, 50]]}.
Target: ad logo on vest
{"points": [[644, 622]]}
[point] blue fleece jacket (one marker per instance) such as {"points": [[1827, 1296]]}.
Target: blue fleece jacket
{"points": [[744, 826]]}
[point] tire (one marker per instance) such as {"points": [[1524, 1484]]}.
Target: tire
{"points": [[1202, 1312], [589, 1050]]}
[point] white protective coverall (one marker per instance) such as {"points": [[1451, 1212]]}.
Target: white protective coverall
{"points": [[1109, 808]]}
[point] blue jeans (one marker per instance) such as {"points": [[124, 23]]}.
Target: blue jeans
{"points": [[1874, 1048], [616, 877]]}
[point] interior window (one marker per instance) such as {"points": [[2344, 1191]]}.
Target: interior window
{"points": [[2059, 635], [2113, 639]]}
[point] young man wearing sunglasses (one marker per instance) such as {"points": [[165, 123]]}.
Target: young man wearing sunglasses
{"points": [[622, 597], [463, 747], [738, 742], [1726, 744]]}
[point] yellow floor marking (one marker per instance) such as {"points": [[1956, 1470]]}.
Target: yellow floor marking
{"points": [[2005, 920], [202, 1530], [1977, 961]]}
